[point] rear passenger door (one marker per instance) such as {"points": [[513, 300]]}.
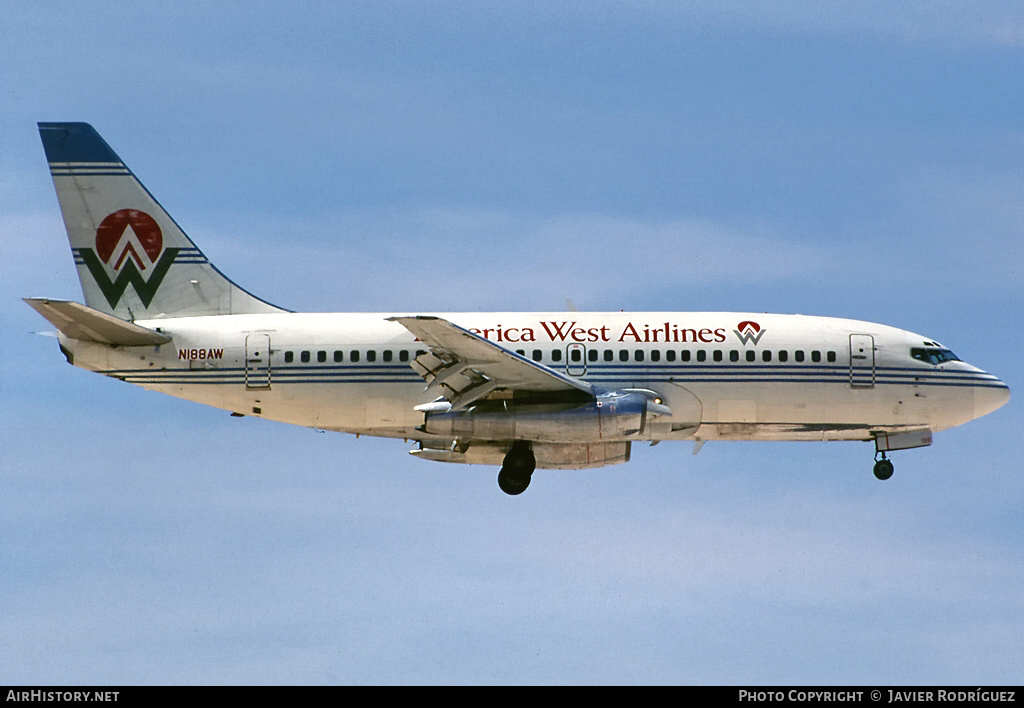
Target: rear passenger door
{"points": [[257, 361]]}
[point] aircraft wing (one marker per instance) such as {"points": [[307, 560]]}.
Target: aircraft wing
{"points": [[464, 367]]}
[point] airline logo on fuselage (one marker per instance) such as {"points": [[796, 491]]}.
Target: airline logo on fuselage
{"points": [[665, 332], [129, 242], [572, 331], [749, 332]]}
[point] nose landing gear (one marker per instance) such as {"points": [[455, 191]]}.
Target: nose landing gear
{"points": [[517, 468], [886, 441]]}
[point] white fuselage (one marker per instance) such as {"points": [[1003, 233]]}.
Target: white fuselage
{"points": [[723, 375]]}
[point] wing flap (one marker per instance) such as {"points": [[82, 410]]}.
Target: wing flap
{"points": [[77, 321], [464, 367]]}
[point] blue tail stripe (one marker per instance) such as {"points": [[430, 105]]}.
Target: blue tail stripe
{"points": [[75, 142]]}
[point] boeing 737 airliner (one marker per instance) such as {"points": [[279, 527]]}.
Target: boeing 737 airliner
{"points": [[521, 390]]}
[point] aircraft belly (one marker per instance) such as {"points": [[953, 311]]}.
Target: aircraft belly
{"points": [[940, 406], [801, 412], [366, 408], [752, 404], [210, 395], [393, 411]]}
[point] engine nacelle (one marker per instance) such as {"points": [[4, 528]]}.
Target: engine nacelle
{"points": [[616, 416]]}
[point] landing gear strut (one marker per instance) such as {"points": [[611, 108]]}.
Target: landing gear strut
{"points": [[883, 468], [517, 468]]}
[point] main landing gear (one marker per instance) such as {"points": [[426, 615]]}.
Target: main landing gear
{"points": [[883, 467], [517, 468]]}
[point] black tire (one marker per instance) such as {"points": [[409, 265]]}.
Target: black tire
{"points": [[520, 459], [517, 468], [883, 469], [520, 465], [512, 484]]}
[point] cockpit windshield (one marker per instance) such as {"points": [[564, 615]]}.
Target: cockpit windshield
{"points": [[933, 356]]}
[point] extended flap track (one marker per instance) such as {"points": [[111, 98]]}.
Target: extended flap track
{"points": [[453, 378]]}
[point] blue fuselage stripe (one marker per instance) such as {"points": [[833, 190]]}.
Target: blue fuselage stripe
{"points": [[369, 374]]}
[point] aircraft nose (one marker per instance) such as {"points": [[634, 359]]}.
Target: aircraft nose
{"points": [[989, 398]]}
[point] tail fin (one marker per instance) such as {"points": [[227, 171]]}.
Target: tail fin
{"points": [[133, 260]]}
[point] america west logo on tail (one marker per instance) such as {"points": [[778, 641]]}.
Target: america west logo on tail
{"points": [[129, 241]]}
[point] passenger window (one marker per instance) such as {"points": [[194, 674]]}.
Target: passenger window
{"points": [[387, 355], [815, 356], [521, 352], [717, 355], [556, 355], [623, 355], [734, 355], [799, 355], [289, 357], [403, 355], [576, 355], [609, 355], [766, 355], [371, 355], [751, 355], [537, 355], [702, 355], [338, 355], [656, 355], [321, 356], [304, 356], [638, 355], [783, 355], [831, 356], [670, 355], [684, 355], [420, 352], [592, 355], [353, 356]]}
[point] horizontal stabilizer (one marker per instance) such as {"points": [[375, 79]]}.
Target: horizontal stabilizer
{"points": [[80, 322]]}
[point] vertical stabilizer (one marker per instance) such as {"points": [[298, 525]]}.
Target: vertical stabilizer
{"points": [[134, 261]]}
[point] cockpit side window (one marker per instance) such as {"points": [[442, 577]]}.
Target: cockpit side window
{"points": [[932, 356]]}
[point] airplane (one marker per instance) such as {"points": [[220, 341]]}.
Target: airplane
{"points": [[519, 390]]}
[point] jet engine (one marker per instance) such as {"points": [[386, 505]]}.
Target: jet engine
{"points": [[620, 415]]}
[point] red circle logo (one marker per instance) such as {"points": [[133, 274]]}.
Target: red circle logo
{"points": [[113, 228]]}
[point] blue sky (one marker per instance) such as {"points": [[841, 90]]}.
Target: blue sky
{"points": [[851, 159]]}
